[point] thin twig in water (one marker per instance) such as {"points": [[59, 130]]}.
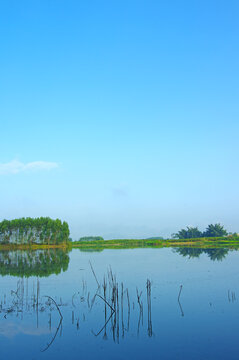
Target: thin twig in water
{"points": [[181, 309], [94, 297], [106, 302], [73, 300], [48, 345], [103, 326], [94, 274], [180, 290], [55, 304]]}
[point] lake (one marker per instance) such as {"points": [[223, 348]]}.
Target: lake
{"points": [[119, 304]]}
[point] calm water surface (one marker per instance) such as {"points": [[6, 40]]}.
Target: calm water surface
{"points": [[53, 308]]}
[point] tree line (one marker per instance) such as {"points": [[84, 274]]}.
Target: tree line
{"points": [[30, 231], [213, 230]]}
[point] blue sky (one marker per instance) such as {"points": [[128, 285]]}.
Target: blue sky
{"points": [[120, 117]]}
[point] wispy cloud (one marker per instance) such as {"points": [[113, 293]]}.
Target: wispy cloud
{"points": [[12, 329], [121, 190], [15, 166]]}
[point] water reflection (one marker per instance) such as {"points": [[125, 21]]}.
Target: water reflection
{"points": [[88, 308], [121, 309], [214, 254], [26, 304], [33, 263]]}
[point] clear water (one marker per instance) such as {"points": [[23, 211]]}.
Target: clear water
{"points": [[200, 322]]}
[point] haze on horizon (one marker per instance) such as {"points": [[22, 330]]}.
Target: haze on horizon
{"points": [[120, 117]]}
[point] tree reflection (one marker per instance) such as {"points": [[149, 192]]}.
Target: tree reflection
{"points": [[189, 252], [110, 295], [213, 253], [33, 263], [217, 254]]}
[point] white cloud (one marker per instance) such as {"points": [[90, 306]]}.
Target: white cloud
{"points": [[15, 166]]}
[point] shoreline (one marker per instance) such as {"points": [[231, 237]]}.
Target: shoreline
{"points": [[226, 242], [145, 243], [31, 247]]}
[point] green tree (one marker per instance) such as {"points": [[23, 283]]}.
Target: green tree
{"points": [[34, 231], [189, 233], [91, 238], [215, 231]]}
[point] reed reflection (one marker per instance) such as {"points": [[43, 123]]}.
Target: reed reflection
{"points": [[109, 297]]}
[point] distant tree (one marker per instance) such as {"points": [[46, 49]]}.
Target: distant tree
{"points": [[155, 238], [215, 231], [189, 233], [91, 238]]}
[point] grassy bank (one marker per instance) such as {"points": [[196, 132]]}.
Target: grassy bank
{"points": [[9, 247], [230, 242]]}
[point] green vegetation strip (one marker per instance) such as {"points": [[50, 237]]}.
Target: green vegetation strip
{"points": [[228, 241]]}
